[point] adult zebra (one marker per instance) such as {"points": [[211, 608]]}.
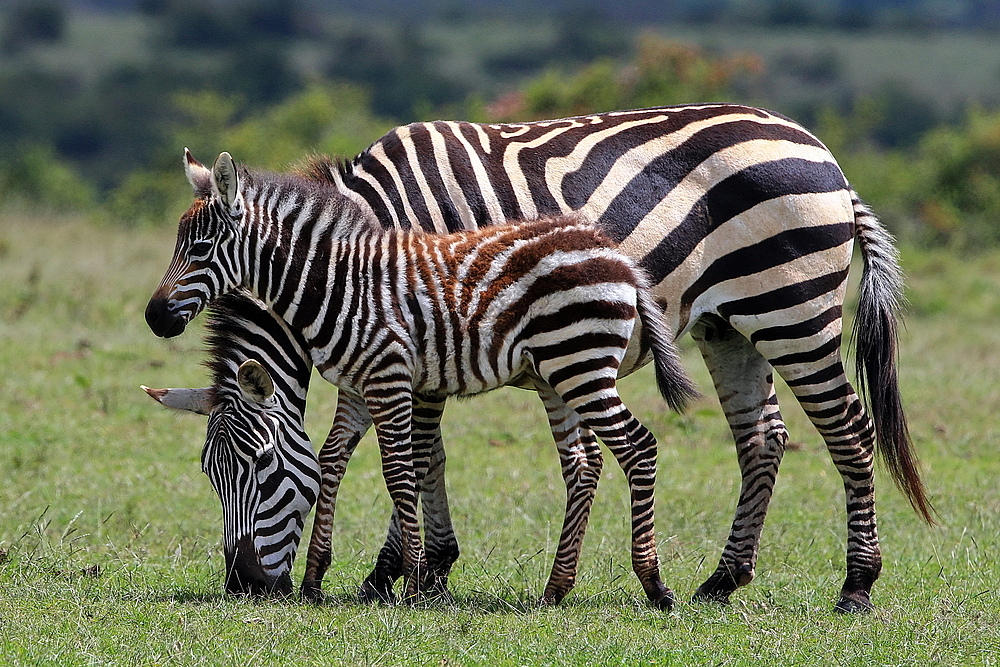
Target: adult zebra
{"points": [[746, 225], [257, 454]]}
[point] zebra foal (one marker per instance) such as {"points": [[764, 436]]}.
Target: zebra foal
{"points": [[387, 315]]}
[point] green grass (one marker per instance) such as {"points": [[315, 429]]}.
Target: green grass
{"points": [[111, 533]]}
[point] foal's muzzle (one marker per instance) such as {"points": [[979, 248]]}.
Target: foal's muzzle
{"points": [[163, 321]]}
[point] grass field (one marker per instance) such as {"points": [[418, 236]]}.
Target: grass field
{"points": [[110, 533]]}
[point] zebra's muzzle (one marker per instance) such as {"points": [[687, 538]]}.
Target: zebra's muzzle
{"points": [[162, 320], [245, 575]]}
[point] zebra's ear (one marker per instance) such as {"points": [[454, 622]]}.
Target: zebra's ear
{"points": [[255, 382], [198, 175], [226, 184], [192, 400]]}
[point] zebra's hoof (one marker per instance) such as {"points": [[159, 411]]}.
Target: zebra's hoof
{"points": [[662, 597], [312, 592], [372, 593], [708, 596], [855, 602]]}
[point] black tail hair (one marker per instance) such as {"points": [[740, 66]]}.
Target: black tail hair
{"points": [[673, 383], [875, 334]]}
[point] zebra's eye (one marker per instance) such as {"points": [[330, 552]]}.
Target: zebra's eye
{"points": [[201, 248], [265, 459]]}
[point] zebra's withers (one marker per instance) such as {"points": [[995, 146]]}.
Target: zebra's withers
{"points": [[387, 315]]}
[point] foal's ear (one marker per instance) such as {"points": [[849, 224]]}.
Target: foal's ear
{"points": [[192, 400], [226, 184], [255, 382], [198, 175]]}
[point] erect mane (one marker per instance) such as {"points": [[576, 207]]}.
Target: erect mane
{"points": [[325, 170], [228, 340]]}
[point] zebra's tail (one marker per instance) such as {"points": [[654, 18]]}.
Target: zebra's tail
{"points": [[674, 385], [875, 336]]}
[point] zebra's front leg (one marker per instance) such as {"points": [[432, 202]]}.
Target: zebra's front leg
{"points": [[350, 423], [744, 382], [581, 462], [439, 536], [391, 408]]}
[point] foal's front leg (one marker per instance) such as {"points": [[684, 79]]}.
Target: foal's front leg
{"points": [[392, 416], [440, 543], [351, 422]]}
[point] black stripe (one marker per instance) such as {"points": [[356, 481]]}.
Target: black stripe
{"points": [[804, 329], [431, 169], [781, 248], [783, 297]]}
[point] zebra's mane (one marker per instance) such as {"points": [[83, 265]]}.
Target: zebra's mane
{"points": [[326, 170], [228, 340]]}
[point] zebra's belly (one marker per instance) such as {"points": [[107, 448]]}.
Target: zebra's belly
{"points": [[468, 377]]}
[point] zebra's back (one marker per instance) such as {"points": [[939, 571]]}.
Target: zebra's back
{"points": [[699, 196]]}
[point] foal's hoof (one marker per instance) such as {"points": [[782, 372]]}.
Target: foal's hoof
{"points": [[374, 593], [312, 592], [856, 602], [661, 597]]}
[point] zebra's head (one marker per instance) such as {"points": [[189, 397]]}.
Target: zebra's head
{"points": [[262, 465], [204, 265]]}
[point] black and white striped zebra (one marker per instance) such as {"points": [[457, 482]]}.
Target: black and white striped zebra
{"points": [[746, 225], [257, 454], [548, 304]]}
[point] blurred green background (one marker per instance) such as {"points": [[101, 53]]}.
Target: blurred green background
{"points": [[98, 97]]}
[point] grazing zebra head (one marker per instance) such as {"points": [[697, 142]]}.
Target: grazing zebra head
{"points": [[202, 267], [257, 454]]}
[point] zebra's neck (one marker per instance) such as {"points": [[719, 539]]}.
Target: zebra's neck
{"points": [[316, 260], [292, 225]]}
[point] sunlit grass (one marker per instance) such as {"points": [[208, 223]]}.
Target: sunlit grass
{"points": [[110, 533]]}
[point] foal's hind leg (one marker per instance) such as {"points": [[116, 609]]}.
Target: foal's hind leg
{"points": [[600, 407], [743, 381], [581, 462]]}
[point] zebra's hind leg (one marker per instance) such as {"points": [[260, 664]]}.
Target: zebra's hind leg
{"points": [[581, 462], [837, 412], [350, 424], [744, 382], [439, 535], [601, 409], [811, 366]]}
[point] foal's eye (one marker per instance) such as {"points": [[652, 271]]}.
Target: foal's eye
{"points": [[201, 248]]}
